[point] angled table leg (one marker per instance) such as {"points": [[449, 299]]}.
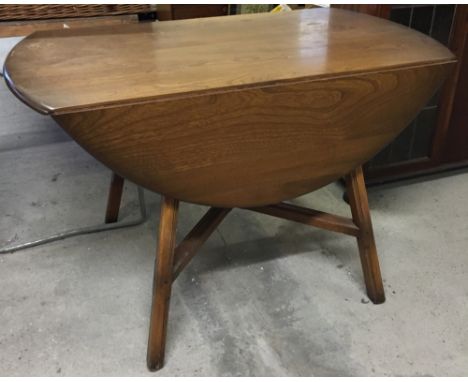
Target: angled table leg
{"points": [[162, 283], [171, 260], [359, 204], [114, 198], [360, 226]]}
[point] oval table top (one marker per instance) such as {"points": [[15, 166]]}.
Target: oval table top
{"points": [[63, 71]]}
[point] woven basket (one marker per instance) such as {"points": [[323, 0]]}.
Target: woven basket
{"points": [[36, 12]]}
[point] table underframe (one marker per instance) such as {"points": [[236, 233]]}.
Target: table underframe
{"points": [[171, 259]]}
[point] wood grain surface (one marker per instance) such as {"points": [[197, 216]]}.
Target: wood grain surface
{"points": [[256, 146], [241, 111], [359, 204], [162, 283], [68, 70]]}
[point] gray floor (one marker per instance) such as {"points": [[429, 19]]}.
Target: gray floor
{"points": [[264, 296]]}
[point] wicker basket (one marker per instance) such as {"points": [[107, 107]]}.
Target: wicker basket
{"points": [[54, 11]]}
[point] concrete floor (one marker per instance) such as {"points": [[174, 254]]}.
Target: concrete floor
{"points": [[263, 297]]}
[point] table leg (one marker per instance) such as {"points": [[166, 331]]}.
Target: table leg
{"points": [[114, 198], [171, 260], [359, 204], [162, 283]]}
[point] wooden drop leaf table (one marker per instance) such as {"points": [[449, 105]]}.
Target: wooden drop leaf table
{"points": [[243, 111]]}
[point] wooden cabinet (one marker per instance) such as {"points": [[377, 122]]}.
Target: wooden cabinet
{"points": [[455, 148], [190, 11], [437, 139]]}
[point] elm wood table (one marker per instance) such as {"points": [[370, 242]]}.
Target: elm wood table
{"points": [[243, 111]]}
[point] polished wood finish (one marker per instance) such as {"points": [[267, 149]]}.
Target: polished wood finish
{"points": [[241, 111], [162, 283], [114, 198], [310, 217], [186, 250], [257, 146], [357, 196], [244, 103], [165, 61], [448, 147]]}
